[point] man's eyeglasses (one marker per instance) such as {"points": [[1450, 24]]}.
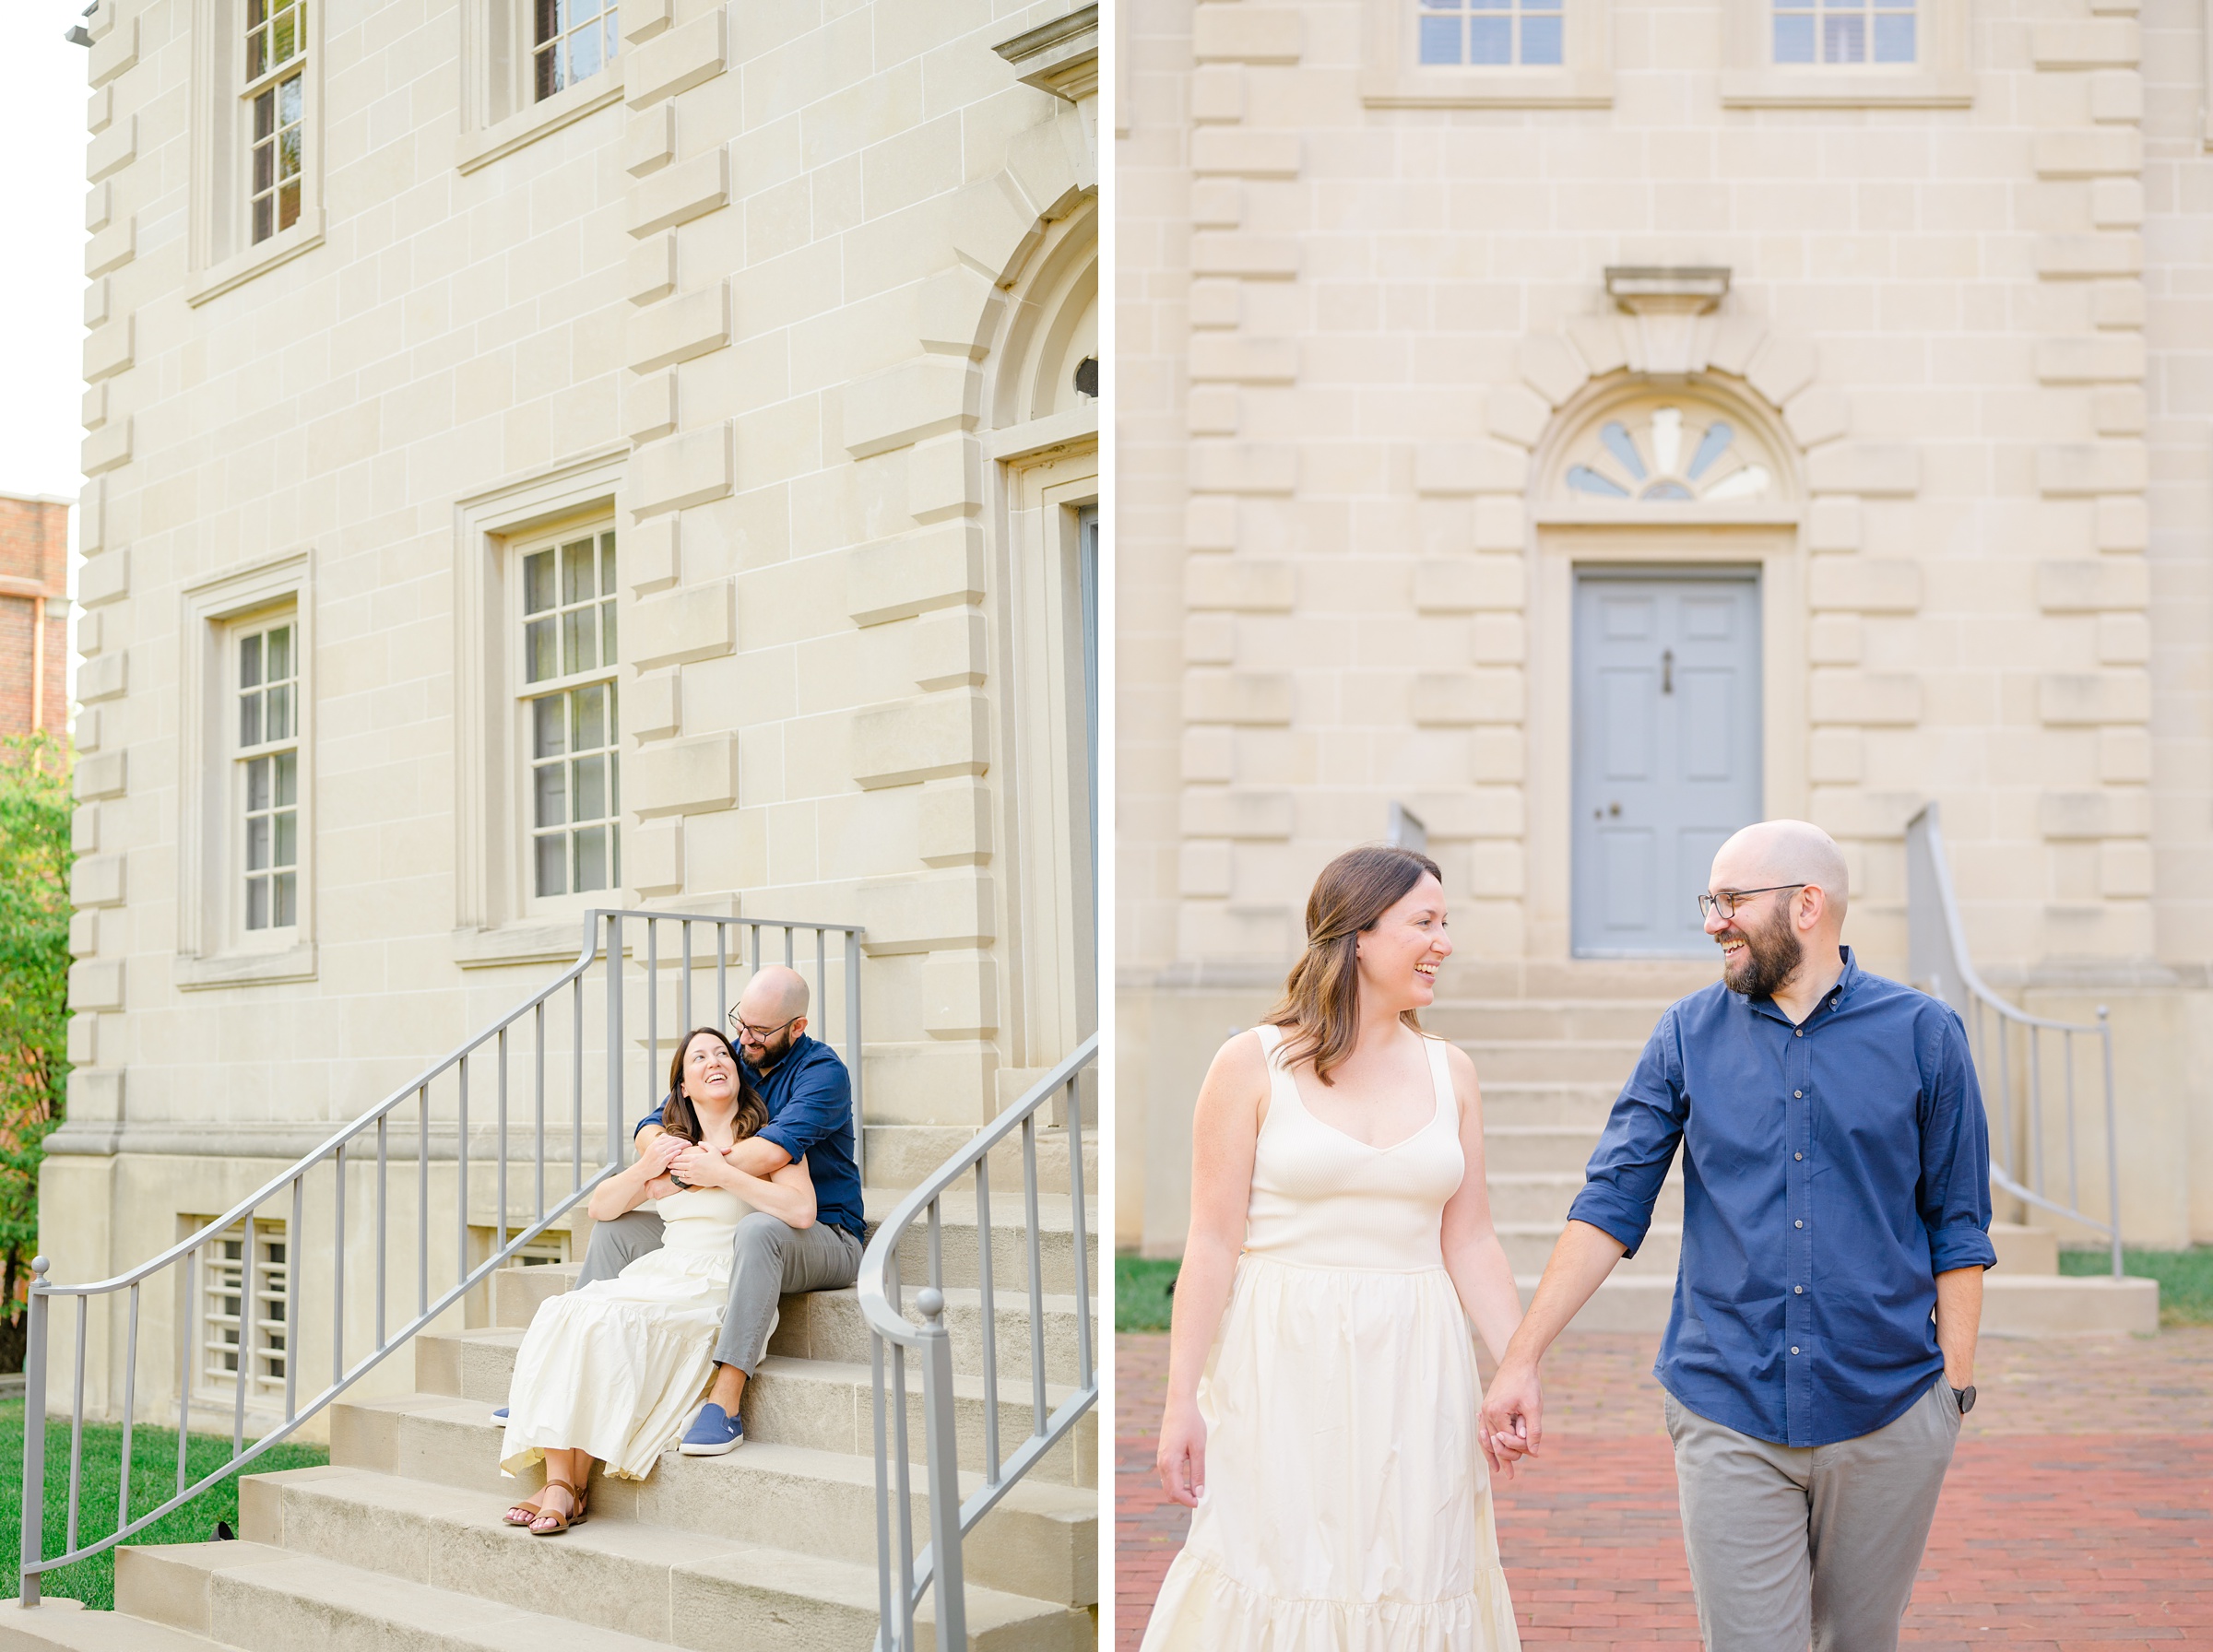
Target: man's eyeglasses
{"points": [[1726, 901], [758, 1034]]}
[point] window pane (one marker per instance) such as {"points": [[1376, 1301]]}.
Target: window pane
{"points": [[551, 782], [258, 783], [552, 864], [584, 61], [538, 582], [1793, 38], [1843, 39], [257, 843], [1440, 40], [280, 652], [287, 779], [288, 205], [579, 642], [288, 837], [288, 101], [546, 723], [1490, 39], [547, 77], [591, 858], [264, 218], [549, 20], [265, 115], [1540, 40], [280, 713], [1894, 38], [249, 662], [287, 902], [288, 152], [538, 651], [265, 166], [286, 37], [249, 720], [607, 633], [591, 788], [614, 854], [614, 786], [591, 718], [607, 554], [258, 54], [577, 575], [258, 917], [257, 13]]}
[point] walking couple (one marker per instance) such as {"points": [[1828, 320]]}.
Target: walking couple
{"points": [[1324, 1419], [745, 1187]]}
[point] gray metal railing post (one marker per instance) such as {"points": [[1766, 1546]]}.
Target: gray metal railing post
{"points": [[853, 1056], [34, 1431], [614, 1039], [943, 1476]]}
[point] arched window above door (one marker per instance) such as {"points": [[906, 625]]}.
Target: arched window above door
{"points": [[1663, 454]]}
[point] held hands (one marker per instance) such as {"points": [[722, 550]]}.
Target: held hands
{"points": [[1182, 1458], [1512, 1421], [658, 1154], [698, 1166]]}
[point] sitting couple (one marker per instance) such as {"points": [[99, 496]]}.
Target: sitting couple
{"points": [[744, 1189]]}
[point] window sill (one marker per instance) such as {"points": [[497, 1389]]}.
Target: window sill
{"points": [[1846, 89], [245, 969], [519, 943], [526, 126], [281, 248], [1488, 89]]}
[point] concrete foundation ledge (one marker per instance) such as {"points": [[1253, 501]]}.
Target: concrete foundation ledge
{"points": [[66, 1625]]}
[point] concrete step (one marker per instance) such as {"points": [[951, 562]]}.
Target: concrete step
{"points": [[1529, 1247], [1523, 1061], [1566, 1021], [1549, 1105], [2024, 1252], [1536, 1149], [60, 1626], [1042, 1535], [900, 1156], [1537, 1197], [1045, 1548], [451, 1596], [821, 1404], [822, 1324]]}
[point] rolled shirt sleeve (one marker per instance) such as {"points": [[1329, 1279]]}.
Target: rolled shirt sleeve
{"points": [[1623, 1180], [1954, 1194], [820, 1106]]}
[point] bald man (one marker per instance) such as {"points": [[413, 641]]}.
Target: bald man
{"points": [[1836, 1217], [810, 1099]]}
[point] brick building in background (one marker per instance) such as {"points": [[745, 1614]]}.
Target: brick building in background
{"points": [[34, 614]]}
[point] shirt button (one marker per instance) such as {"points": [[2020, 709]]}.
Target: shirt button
{"points": [[1793, 1349], [1797, 1033], [1797, 1225], [1798, 1094], [1799, 1289], [1797, 1156]]}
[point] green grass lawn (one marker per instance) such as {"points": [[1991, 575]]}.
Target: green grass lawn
{"points": [[153, 1482], [1140, 1293], [2185, 1277]]}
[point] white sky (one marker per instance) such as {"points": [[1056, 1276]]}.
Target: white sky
{"points": [[43, 264]]}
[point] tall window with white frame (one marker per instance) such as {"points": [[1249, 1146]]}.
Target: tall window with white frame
{"points": [[1845, 31], [274, 91], [571, 41], [268, 795], [1491, 34], [569, 723]]}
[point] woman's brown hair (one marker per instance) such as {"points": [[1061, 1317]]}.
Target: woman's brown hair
{"points": [[680, 1118], [1320, 1006]]}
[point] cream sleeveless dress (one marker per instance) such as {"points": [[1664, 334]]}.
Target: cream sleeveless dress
{"points": [[615, 1367], [1347, 1505]]}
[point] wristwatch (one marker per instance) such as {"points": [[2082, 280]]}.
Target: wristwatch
{"points": [[1966, 1396]]}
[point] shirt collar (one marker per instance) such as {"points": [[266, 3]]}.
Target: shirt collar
{"points": [[1843, 989]]}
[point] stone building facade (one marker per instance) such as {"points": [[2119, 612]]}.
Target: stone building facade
{"points": [[34, 615], [704, 395], [1883, 347]]}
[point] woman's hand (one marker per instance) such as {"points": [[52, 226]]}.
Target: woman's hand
{"points": [[1182, 1458], [699, 1167], [659, 1153]]}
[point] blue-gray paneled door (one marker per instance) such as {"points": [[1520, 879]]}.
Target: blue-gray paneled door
{"points": [[1666, 760]]}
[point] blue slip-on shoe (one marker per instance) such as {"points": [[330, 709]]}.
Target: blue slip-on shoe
{"points": [[714, 1431], [500, 1415]]}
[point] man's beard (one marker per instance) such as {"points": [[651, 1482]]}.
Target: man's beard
{"points": [[773, 1050], [1772, 957]]}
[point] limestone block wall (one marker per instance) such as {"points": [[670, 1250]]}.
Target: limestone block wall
{"points": [[1361, 332], [755, 296]]}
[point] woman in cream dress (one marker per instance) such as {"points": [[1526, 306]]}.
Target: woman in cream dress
{"points": [[1324, 1409], [612, 1370]]}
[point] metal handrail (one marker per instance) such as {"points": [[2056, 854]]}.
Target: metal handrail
{"points": [[1937, 961], [879, 1287], [605, 933]]}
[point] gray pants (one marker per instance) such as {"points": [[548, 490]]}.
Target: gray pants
{"points": [[1789, 1543], [772, 1257]]}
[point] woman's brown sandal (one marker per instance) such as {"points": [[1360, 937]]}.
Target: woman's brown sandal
{"points": [[539, 1529]]}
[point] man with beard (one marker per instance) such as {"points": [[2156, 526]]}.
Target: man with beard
{"points": [[1836, 1190]]}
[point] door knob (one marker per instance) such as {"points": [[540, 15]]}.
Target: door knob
{"points": [[1667, 670]]}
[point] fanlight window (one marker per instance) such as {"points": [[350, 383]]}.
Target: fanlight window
{"points": [[1672, 457]]}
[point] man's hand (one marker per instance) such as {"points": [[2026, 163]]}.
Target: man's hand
{"points": [[659, 1151], [1182, 1455], [1513, 1419], [698, 1165]]}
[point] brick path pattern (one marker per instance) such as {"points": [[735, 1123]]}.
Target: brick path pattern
{"points": [[2076, 1517]]}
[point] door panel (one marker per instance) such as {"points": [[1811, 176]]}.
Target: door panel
{"points": [[1666, 751]]}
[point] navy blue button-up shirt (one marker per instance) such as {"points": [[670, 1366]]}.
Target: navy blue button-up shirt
{"points": [[1830, 1171], [808, 1095]]}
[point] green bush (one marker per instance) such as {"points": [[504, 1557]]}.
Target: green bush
{"points": [[1140, 1293], [2185, 1277], [153, 1482]]}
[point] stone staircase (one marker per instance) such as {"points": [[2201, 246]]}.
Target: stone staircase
{"points": [[395, 1546], [1554, 1042]]}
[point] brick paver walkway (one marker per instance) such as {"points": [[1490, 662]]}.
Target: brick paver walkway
{"points": [[2078, 1515]]}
